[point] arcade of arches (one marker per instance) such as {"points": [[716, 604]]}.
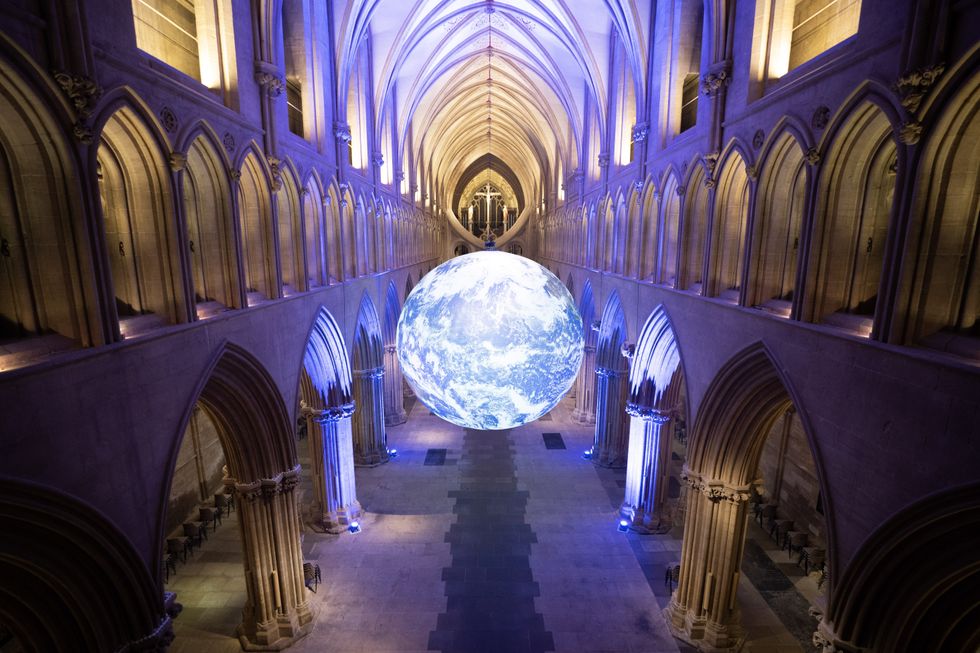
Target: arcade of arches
{"points": [[766, 211]]}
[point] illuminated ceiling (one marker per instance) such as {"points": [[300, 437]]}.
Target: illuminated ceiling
{"points": [[430, 64]]}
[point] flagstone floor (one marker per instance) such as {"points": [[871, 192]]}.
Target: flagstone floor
{"points": [[504, 542]]}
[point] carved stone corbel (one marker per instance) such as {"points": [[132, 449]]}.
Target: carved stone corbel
{"points": [[178, 161], [813, 156], [273, 84], [914, 86], [83, 92], [910, 132], [275, 171]]}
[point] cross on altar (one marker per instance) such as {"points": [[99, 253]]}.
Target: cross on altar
{"points": [[488, 193]]}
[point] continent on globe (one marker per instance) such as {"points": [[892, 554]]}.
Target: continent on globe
{"points": [[490, 340]]}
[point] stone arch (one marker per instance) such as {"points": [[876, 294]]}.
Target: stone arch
{"points": [[44, 244], [253, 426], [72, 580], [730, 227], [854, 206], [694, 232], [409, 286], [741, 405], [609, 447], [655, 405], [394, 401], [584, 412], [606, 255], [651, 234], [633, 235], [314, 211], [138, 220], [256, 229], [208, 214], [776, 227], [913, 584], [334, 234], [292, 265], [370, 439], [327, 403], [359, 237], [669, 236], [941, 282]]}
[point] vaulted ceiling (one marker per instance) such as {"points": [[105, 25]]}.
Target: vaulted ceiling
{"points": [[431, 61]]}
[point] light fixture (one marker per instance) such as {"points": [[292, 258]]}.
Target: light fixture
{"points": [[392, 453], [624, 526], [355, 527], [587, 454]]}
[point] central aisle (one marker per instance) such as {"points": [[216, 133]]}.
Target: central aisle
{"points": [[485, 541]]}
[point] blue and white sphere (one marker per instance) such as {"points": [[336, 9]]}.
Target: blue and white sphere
{"points": [[490, 340]]}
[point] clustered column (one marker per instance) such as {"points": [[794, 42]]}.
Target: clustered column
{"points": [[394, 394], [276, 611], [609, 447], [332, 451], [704, 608], [584, 412], [646, 472], [370, 440]]}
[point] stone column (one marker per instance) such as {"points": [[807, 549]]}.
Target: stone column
{"points": [[704, 609], [370, 440], [609, 448], [394, 394], [646, 472], [276, 611], [584, 412], [335, 502]]}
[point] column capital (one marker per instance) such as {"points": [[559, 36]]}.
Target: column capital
{"points": [[372, 373], [325, 415], [715, 489], [605, 371], [391, 349], [647, 413]]}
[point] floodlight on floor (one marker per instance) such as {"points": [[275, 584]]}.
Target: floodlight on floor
{"points": [[623, 526], [392, 453], [587, 454], [355, 527]]}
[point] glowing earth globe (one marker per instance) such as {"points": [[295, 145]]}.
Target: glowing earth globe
{"points": [[490, 340]]}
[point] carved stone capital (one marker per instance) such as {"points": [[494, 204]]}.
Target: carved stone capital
{"points": [[373, 373], [606, 372], [271, 82], [235, 175], [716, 490], [83, 132], [639, 132], [913, 86], [178, 161], [377, 159], [275, 171], [603, 159], [248, 492], [910, 132], [83, 92], [646, 413], [627, 350], [813, 156], [710, 161], [341, 131], [713, 82]]}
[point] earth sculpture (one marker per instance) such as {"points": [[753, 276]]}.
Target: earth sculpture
{"points": [[490, 340]]}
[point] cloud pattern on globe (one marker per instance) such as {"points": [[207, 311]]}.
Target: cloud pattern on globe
{"points": [[490, 340]]}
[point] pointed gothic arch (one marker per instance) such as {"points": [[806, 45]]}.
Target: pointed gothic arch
{"points": [[314, 220], [370, 438], [44, 299], [610, 444], [138, 220], [327, 403], [72, 580], [669, 236], [730, 227], [913, 584], [394, 400], [650, 218], [208, 214], [584, 412], [655, 406], [242, 401], [739, 409], [694, 232], [292, 266], [255, 228]]}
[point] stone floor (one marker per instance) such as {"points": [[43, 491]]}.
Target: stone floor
{"points": [[503, 542]]}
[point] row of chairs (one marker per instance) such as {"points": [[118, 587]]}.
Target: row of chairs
{"points": [[193, 533], [790, 540]]}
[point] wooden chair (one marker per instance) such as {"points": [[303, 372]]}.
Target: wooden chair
{"points": [[672, 575], [311, 576]]}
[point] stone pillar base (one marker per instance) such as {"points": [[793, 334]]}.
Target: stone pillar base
{"points": [[279, 634], [583, 417], [704, 635], [371, 460], [644, 522], [399, 417], [338, 520], [614, 462]]}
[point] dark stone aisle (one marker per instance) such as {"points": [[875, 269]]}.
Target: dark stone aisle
{"points": [[489, 586]]}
